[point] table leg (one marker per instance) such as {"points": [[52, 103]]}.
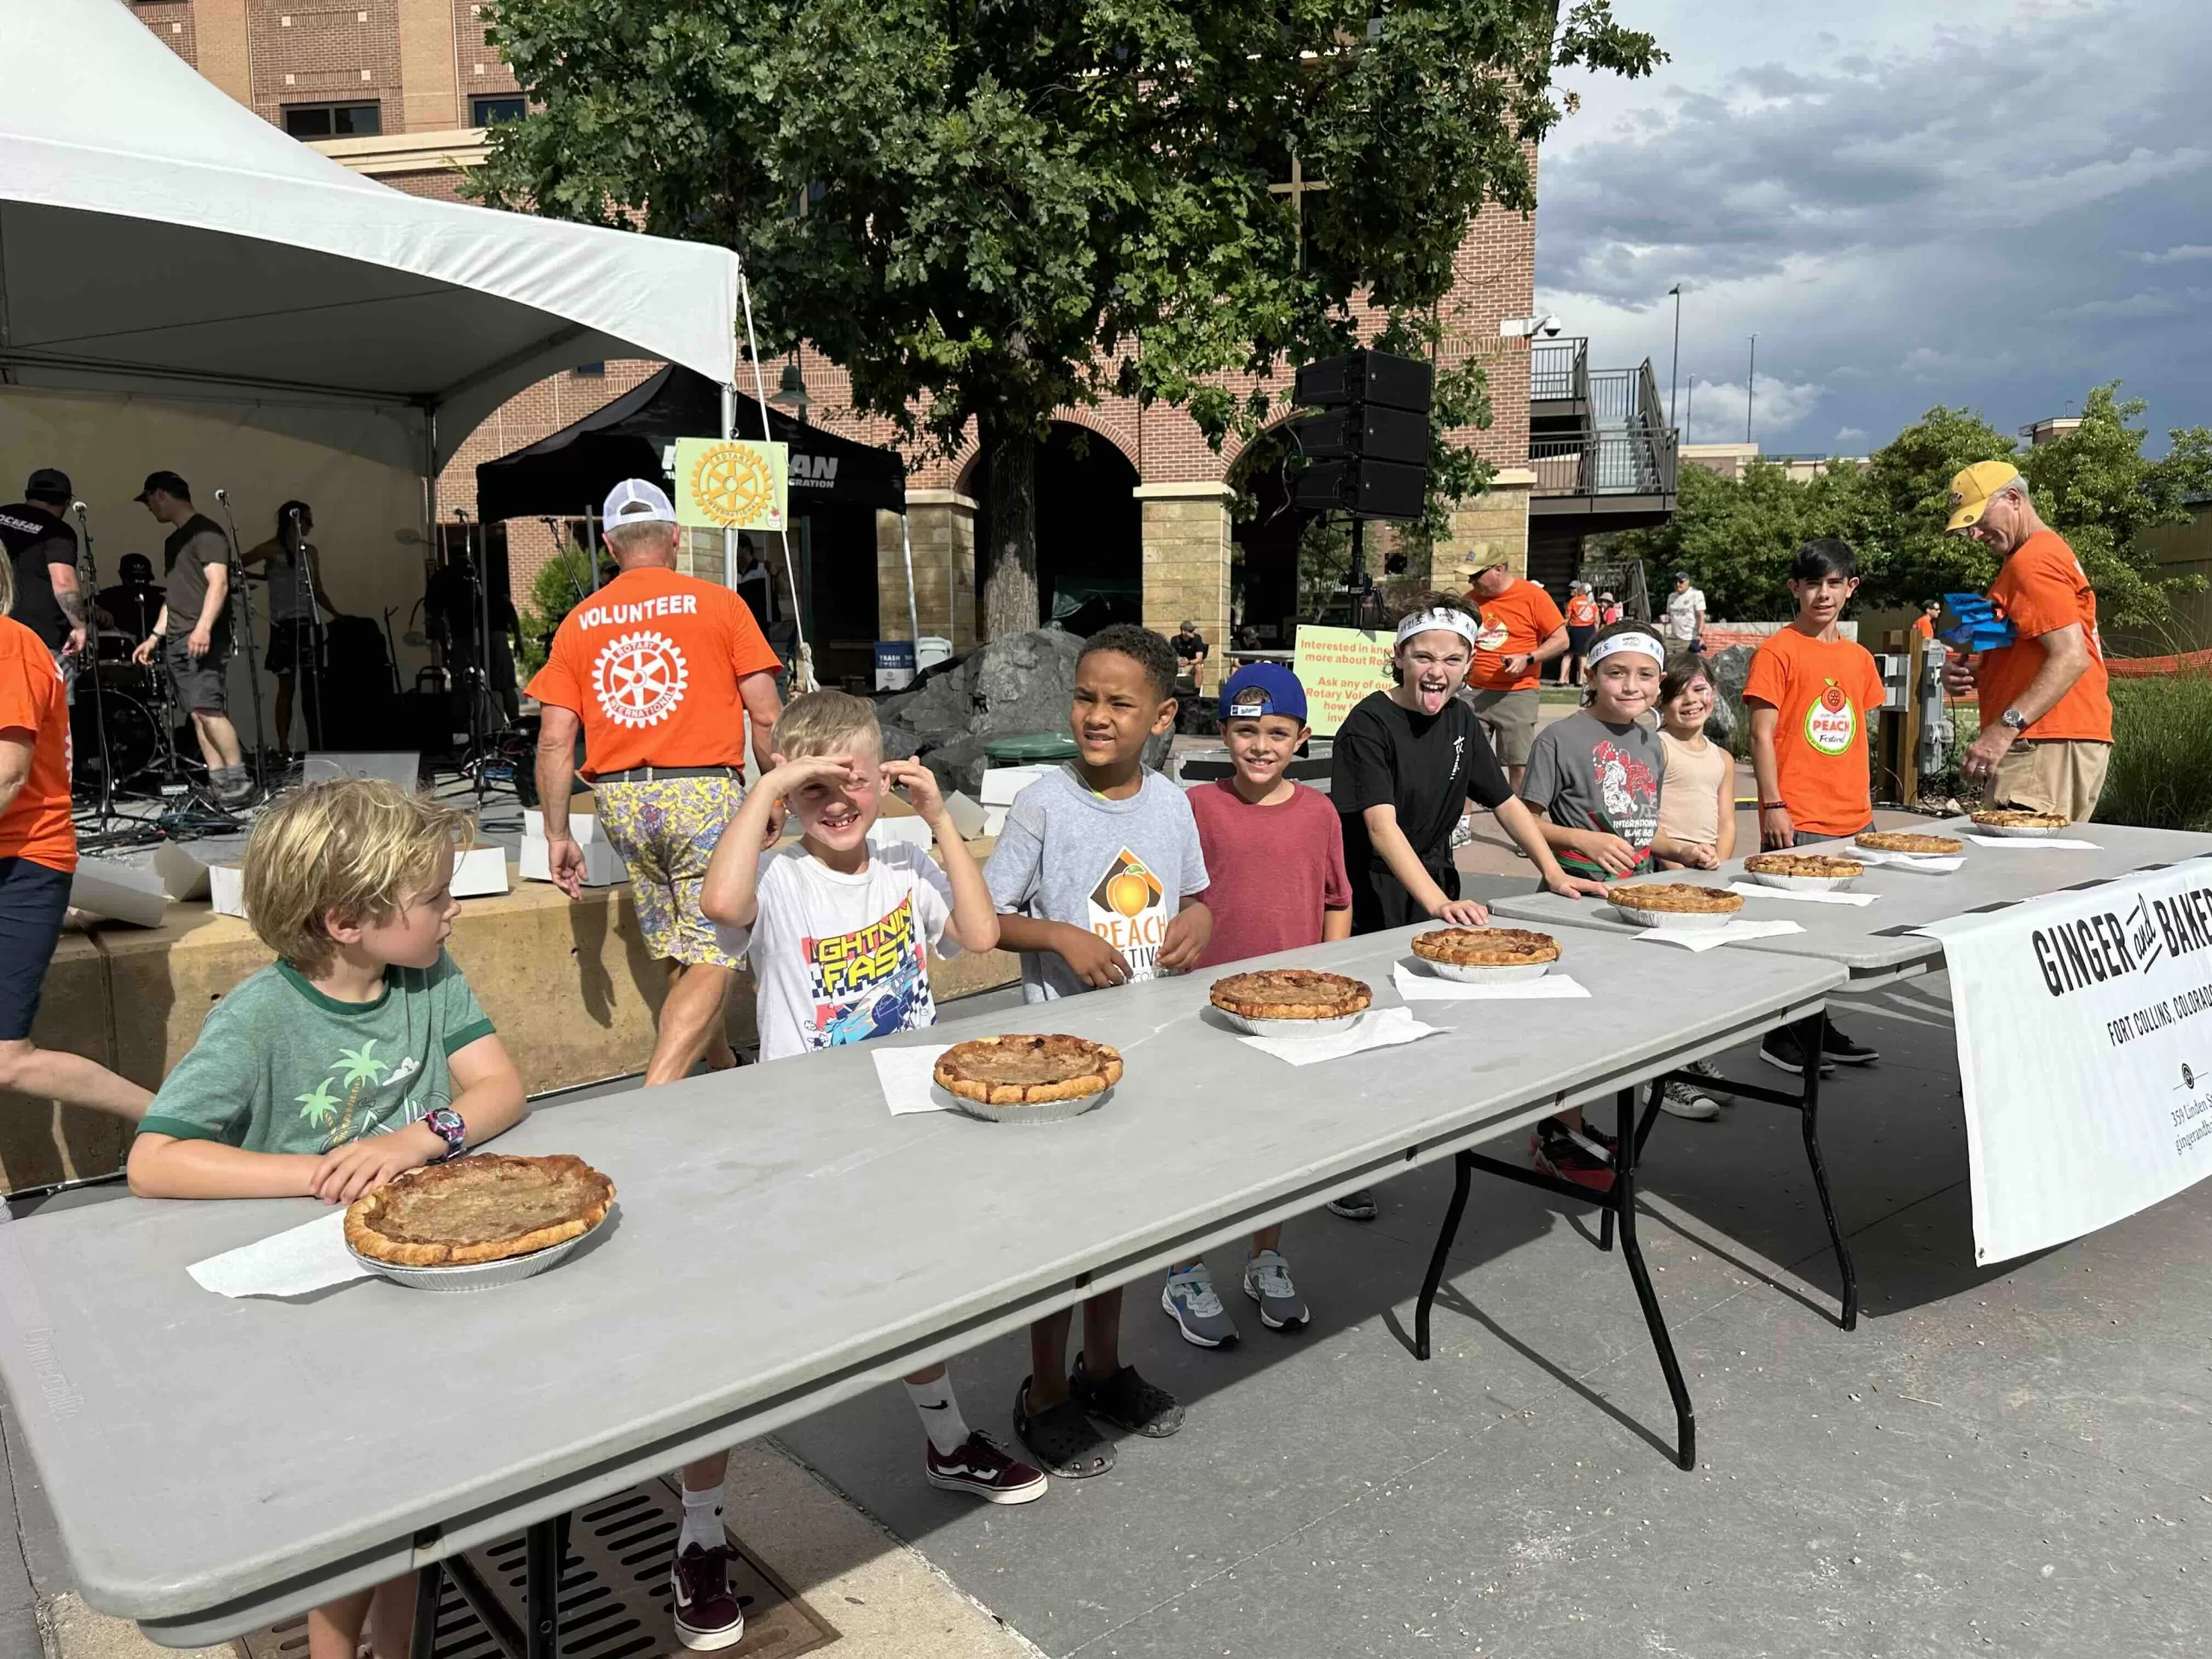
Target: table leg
{"points": [[543, 1547], [1622, 1202], [429, 1591], [1464, 1168], [1809, 1033]]}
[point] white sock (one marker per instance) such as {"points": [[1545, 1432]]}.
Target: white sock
{"points": [[941, 1417], [703, 1520]]}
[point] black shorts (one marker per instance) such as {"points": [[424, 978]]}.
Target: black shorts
{"points": [[32, 901], [1380, 901], [203, 687], [295, 645], [1578, 641]]}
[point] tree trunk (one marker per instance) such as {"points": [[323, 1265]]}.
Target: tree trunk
{"points": [[1010, 576]]}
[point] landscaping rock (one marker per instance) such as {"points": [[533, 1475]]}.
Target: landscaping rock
{"points": [[1025, 682], [898, 743], [959, 763], [1729, 668]]}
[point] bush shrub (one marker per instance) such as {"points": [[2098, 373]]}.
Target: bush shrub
{"points": [[2161, 772], [560, 584]]}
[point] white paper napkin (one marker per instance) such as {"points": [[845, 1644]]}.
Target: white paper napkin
{"points": [[1933, 863], [1805, 895], [289, 1263], [1712, 938], [2045, 843], [1377, 1028], [1429, 988], [904, 1075]]}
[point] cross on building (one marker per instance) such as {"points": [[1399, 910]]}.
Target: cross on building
{"points": [[1298, 189]]}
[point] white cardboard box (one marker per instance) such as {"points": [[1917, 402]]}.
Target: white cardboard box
{"points": [[226, 890], [583, 826], [603, 866], [1002, 783], [915, 832], [966, 818], [481, 871], [122, 893], [183, 872], [993, 821]]}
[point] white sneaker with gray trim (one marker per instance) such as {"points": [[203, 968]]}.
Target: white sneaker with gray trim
{"points": [[1267, 1281], [1188, 1298]]}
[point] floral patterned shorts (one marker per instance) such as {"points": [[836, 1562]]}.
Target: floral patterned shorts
{"points": [[666, 831]]}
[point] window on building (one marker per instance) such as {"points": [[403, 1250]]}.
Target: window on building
{"points": [[489, 111], [333, 120], [592, 371]]}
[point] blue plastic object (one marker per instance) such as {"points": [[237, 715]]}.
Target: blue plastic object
{"points": [[1979, 626]]}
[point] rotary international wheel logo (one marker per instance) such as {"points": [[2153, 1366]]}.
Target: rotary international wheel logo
{"points": [[640, 679], [733, 485]]}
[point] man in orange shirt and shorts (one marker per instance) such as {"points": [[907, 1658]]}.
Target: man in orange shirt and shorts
{"points": [[1522, 630], [658, 670], [2046, 705]]}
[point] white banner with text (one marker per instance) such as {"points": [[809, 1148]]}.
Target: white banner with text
{"points": [[2085, 1046]]}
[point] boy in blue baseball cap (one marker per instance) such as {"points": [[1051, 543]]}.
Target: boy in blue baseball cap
{"points": [[1279, 883]]}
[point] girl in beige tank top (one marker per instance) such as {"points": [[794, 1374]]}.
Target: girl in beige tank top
{"points": [[1697, 799]]}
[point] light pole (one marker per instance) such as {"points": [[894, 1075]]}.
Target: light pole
{"points": [[1751, 384], [1689, 409], [1676, 362]]}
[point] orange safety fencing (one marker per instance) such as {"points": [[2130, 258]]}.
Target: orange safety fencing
{"points": [[2143, 668]]}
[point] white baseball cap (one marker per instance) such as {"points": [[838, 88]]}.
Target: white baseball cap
{"points": [[634, 501]]}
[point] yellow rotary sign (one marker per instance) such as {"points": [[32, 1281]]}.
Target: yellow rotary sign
{"points": [[731, 484]]}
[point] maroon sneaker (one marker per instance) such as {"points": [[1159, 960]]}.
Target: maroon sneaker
{"points": [[980, 1466], [705, 1609], [1560, 1152]]}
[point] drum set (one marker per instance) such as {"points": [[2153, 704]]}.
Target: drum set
{"points": [[145, 729]]}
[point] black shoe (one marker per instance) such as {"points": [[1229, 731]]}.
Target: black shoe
{"points": [[1834, 1045], [1127, 1400], [1780, 1048], [1355, 1206]]}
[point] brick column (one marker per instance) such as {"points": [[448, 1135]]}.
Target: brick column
{"points": [[220, 33], [428, 101], [1186, 551], [942, 524], [1485, 528]]}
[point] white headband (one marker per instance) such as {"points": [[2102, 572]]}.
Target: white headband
{"points": [[1452, 621], [1642, 642]]}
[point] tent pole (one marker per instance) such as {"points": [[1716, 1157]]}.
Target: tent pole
{"points": [[913, 615], [729, 535], [803, 663]]}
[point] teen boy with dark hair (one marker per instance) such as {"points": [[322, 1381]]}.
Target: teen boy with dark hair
{"points": [[1810, 692], [1097, 877]]}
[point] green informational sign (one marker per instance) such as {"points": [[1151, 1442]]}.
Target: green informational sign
{"points": [[732, 483], [1338, 667]]}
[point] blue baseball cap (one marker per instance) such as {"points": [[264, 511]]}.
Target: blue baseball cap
{"points": [[1259, 688]]}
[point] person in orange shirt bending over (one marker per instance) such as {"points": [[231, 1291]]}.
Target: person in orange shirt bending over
{"points": [[2046, 706], [1925, 624], [1581, 629], [1522, 630], [1810, 693]]}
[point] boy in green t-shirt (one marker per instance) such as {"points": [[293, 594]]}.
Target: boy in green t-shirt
{"points": [[359, 1053]]}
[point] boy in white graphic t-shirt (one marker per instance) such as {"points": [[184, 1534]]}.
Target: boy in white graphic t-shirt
{"points": [[838, 932]]}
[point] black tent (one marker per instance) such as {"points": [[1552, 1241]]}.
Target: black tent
{"points": [[568, 474]]}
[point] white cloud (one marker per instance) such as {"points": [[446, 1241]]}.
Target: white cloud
{"points": [[2186, 253], [1850, 435], [1716, 410], [2135, 305]]}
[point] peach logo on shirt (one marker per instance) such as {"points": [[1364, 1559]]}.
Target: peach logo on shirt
{"points": [[1830, 720], [640, 679]]}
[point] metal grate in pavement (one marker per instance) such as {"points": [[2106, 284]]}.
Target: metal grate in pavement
{"points": [[614, 1593]]}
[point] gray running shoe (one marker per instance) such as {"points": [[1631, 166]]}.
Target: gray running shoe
{"points": [[1188, 1298], [1267, 1281]]}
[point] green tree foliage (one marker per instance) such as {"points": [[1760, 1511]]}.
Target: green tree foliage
{"points": [[563, 582], [2094, 487], [998, 200]]}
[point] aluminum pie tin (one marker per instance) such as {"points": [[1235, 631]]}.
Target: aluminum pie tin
{"points": [[1469, 972], [477, 1275], [2024, 831], [1677, 921], [1802, 883], [1292, 1029], [1049, 1111]]}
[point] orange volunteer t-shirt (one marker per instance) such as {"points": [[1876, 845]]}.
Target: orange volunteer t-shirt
{"points": [[651, 665], [1581, 612], [1825, 693], [1513, 624], [2041, 589], [1924, 625], [37, 824]]}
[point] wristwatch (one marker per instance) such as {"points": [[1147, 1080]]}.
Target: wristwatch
{"points": [[2013, 721], [445, 1123]]}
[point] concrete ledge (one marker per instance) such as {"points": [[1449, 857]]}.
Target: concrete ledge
{"points": [[1510, 477], [941, 498], [1198, 490]]}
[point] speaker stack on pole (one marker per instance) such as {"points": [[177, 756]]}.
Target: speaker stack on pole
{"points": [[1369, 447]]}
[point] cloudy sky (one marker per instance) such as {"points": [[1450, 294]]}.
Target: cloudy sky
{"points": [[1997, 203]]}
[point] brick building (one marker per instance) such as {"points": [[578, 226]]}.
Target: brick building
{"points": [[1133, 512]]}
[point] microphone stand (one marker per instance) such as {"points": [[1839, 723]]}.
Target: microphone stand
{"points": [[310, 689], [87, 580], [243, 604]]}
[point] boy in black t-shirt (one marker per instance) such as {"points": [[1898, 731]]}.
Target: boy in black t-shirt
{"points": [[1405, 764]]}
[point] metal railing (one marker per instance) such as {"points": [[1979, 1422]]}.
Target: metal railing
{"points": [[1636, 460], [1559, 370]]}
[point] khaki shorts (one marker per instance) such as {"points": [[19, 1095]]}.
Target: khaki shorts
{"points": [[666, 831], [2052, 777], [1508, 718]]}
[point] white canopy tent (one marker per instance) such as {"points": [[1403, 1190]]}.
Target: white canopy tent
{"points": [[157, 238]]}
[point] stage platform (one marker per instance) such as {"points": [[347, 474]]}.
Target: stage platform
{"points": [[569, 984]]}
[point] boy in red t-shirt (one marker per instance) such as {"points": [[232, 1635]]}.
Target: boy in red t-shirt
{"points": [[1810, 693], [1279, 884]]}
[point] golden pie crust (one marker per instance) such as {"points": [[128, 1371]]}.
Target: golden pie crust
{"points": [[1486, 947], [1898, 841], [1028, 1071], [1685, 898], [2014, 818], [1813, 864], [1291, 994], [484, 1208]]}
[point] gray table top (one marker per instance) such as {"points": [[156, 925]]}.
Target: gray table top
{"points": [[1875, 941], [781, 1242]]}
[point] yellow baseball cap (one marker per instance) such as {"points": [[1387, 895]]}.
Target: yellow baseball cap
{"points": [[1971, 490]]}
